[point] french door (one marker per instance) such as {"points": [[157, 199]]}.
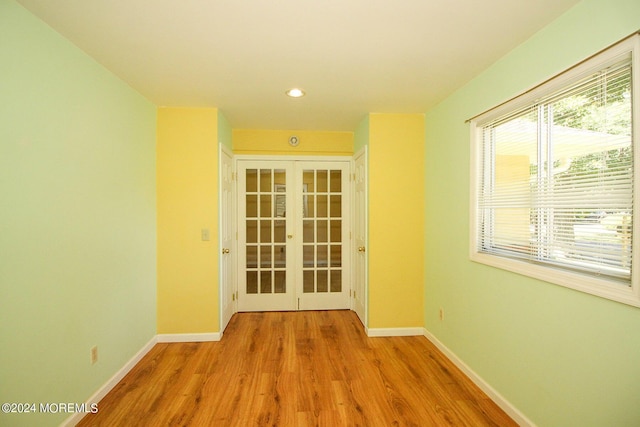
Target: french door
{"points": [[293, 235]]}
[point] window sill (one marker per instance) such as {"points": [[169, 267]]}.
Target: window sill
{"points": [[603, 288]]}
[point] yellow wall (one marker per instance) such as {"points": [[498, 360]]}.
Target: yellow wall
{"points": [[187, 201], [187, 192], [274, 142], [396, 220]]}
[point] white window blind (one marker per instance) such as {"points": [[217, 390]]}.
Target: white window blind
{"points": [[554, 176]]}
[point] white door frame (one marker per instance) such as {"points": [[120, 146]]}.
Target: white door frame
{"points": [[235, 158]]}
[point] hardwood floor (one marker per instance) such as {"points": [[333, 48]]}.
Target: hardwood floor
{"points": [[297, 369]]}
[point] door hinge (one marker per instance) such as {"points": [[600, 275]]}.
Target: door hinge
{"points": [[298, 303], [233, 296]]}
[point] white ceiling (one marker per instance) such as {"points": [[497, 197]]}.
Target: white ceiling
{"points": [[350, 56]]}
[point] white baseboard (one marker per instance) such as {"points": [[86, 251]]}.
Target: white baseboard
{"points": [[210, 336], [503, 403], [113, 381], [394, 332], [118, 376]]}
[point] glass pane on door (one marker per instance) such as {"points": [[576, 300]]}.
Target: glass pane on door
{"points": [[265, 222], [322, 231]]}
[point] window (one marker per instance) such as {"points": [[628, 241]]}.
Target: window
{"points": [[553, 178]]}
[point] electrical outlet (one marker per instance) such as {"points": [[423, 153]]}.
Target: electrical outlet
{"points": [[205, 235], [441, 314], [94, 355]]}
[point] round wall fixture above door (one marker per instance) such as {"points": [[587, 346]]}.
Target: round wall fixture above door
{"points": [[294, 141]]}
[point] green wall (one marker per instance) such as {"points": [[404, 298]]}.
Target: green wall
{"points": [[562, 357], [361, 135], [77, 219], [224, 131]]}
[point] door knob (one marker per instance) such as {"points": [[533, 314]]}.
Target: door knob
{"points": [[361, 249], [289, 236], [225, 250]]}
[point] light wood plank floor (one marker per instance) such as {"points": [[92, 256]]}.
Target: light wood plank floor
{"points": [[297, 369]]}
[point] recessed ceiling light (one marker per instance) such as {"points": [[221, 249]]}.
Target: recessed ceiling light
{"points": [[295, 92]]}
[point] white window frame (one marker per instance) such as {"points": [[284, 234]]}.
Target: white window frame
{"points": [[602, 287]]}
